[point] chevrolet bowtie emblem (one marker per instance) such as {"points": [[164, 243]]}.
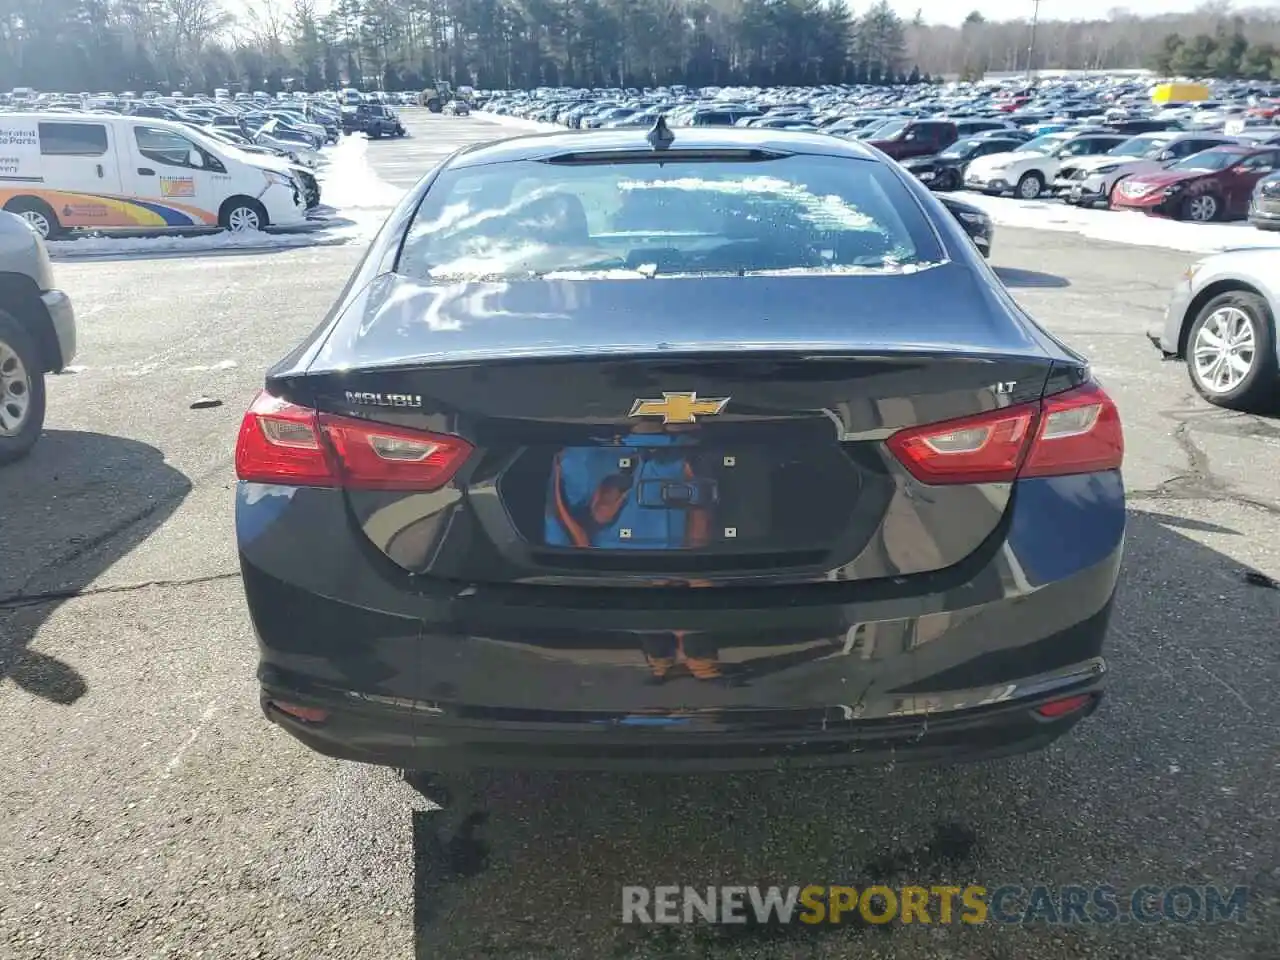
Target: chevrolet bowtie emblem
{"points": [[678, 407]]}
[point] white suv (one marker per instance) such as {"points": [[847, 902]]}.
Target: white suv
{"points": [[1028, 170]]}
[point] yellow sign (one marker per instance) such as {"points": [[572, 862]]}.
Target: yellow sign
{"points": [[678, 407], [177, 187]]}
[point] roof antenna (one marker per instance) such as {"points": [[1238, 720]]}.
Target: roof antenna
{"points": [[660, 137]]}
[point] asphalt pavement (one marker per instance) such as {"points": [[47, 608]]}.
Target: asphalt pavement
{"points": [[147, 809]]}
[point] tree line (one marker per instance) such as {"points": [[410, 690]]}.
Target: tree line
{"points": [[196, 45], [1224, 54]]}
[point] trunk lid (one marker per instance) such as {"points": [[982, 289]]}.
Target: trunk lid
{"points": [[622, 438]]}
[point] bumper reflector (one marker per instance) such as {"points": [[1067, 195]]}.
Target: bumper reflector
{"points": [[1060, 708], [305, 714]]}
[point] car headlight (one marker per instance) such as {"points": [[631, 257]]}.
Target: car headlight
{"points": [[1109, 168], [1190, 273], [977, 219], [281, 178]]}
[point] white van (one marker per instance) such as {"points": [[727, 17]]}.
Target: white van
{"points": [[63, 171]]}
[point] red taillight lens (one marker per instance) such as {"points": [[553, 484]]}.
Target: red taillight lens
{"points": [[1073, 432], [375, 456], [1079, 433], [985, 448], [281, 442]]}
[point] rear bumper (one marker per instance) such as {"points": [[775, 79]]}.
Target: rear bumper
{"points": [[382, 735], [431, 676]]}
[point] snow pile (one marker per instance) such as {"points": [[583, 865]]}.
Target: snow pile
{"points": [[180, 245], [1120, 226], [349, 184], [520, 123]]}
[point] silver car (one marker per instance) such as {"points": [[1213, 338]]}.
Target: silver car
{"points": [[1221, 321], [37, 334]]}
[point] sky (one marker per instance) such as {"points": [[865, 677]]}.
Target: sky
{"points": [[954, 11]]}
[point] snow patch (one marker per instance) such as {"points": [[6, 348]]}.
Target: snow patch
{"points": [[349, 183], [1119, 226], [520, 123], [176, 245]]}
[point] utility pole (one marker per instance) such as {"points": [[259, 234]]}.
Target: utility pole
{"points": [[1031, 46]]}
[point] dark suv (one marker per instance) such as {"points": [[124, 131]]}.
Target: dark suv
{"points": [[377, 121]]}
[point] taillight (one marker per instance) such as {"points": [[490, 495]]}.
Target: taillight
{"points": [[281, 442], [1079, 433], [375, 456], [1073, 432]]}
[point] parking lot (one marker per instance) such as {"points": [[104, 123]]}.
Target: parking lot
{"points": [[148, 810]]}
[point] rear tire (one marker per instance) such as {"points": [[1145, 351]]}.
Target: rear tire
{"points": [[242, 215], [22, 394], [37, 213]]}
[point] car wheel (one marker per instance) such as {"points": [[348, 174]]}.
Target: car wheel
{"points": [[1231, 353], [37, 213], [242, 214], [1030, 185], [22, 398], [1200, 209]]}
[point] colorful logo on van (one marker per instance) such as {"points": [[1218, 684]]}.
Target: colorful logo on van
{"points": [[177, 187]]}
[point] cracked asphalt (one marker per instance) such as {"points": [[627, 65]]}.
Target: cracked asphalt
{"points": [[147, 810]]}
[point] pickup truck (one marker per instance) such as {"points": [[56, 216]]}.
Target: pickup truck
{"points": [[37, 334]]}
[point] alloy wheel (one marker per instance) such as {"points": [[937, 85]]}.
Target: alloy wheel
{"points": [[38, 220], [1223, 353], [243, 218], [1202, 209]]}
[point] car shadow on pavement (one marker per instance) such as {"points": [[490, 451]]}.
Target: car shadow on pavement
{"points": [[1172, 782], [1017, 277], [77, 504]]}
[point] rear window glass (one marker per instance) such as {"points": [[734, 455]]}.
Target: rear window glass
{"points": [[73, 139], [527, 219]]}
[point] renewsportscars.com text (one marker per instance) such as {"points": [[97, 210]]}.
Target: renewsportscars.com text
{"points": [[1008, 904]]}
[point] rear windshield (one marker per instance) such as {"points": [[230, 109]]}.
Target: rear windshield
{"points": [[527, 219]]}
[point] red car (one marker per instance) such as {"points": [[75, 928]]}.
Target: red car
{"points": [[1214, 184]]}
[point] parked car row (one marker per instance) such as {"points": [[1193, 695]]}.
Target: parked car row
{"points": [[1113, 141]]}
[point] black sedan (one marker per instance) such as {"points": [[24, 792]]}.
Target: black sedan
{"points": [[713, 450], [945, 170], [973, 220]]}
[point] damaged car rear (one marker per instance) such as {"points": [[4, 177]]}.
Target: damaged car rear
{"points": [[722, 449]]}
